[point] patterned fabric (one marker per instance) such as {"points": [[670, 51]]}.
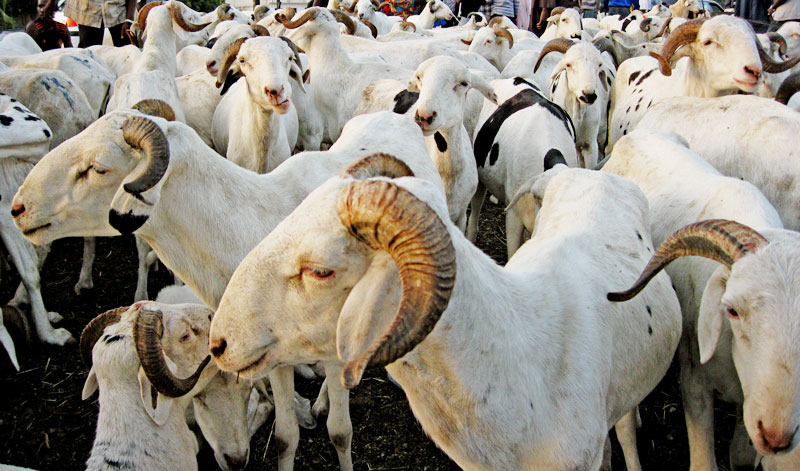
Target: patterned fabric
{"points": [[96, 13], [401, 8], [508, 8]]}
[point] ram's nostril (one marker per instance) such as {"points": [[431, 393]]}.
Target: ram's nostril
{"points": [[218, 347], [17, 209]]}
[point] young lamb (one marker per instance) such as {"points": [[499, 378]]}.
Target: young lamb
{"points": [[392, 282]]}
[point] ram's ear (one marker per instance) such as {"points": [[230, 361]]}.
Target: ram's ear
{"points": [[711, 317], [157, 405], [233, 75], [129, 211], [560, 67], [482, 85], [90, 386], [369, 308]]}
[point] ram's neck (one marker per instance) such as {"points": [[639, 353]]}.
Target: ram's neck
{"points": [[159, 50]]}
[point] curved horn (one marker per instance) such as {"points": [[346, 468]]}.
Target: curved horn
{"points": [[143, 134], [777, 38], [503, 33], [788, 88], [606, 45], [349, 9], [224, 12], [155, 107], [259, 30], [176, 13], [407, 24], [371, 27], [557, 11], [344, 19], [468, 42], [141, 19], [554, 45], [147, 331], [387, 217], [94, 330], [771, 65], [307, 16], [496, 21], [682, 35], [260, 12], [718, 239], [663, 28], [627, 21], [227, 59], [645, 25], [377, 165]]}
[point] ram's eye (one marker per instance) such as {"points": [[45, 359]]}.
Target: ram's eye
{"points": [[708, 42], [99, 170], [463, 83], [241, 60], [732, 313], [569, 66], [185, 337], [318, 273], [83, 173]]}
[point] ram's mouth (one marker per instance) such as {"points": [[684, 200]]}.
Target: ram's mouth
{"points": [[253, 367], [33, 230]]}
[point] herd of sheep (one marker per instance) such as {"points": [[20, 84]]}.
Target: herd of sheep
{"points": [[314, 181]]}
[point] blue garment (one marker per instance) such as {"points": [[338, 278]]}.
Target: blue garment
{"points": [[623, 3]]}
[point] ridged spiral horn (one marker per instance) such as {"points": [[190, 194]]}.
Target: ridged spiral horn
{"points": [[94, 330], [780, 40], [377, 165], [718, 239], [788, 88], [372, 29], [344, 19], [554, 45], [143, 134], [227, 59], [387, 217], [606, 45], [771, 65], [503, 33], [155, 107], [176, 12], [147, 331], [141, 18], [307, 16], [682, 35]]}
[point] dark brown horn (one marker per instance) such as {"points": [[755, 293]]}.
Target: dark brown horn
{"points": [[788, 88], [371, 27], [468, 42], [627, 21], [143, 134], [227, 59], [344, 19], [718, 239], [771, 65], [259, 30], [554, 45], [645, 25], [377, 165], [350, 9], [295, 50], [147, 331], [17, 324], [504, 33], [155, 107], [663, 28], [682, 35], [407, 24], [606, 45], [176, 12], [224, 12], [777, 38], [94, 329], [260, 12], [387, 217], [141, 18], [307, 16]]}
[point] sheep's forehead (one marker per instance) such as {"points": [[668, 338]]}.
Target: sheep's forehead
{"points": [[265, 46], [442, 68], [725, 27]]}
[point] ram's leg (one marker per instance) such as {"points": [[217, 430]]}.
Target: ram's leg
{"points": [[24, 258], [322, 404], [475, 213], [142, 249], [606, 465], [340, 429], [698, 409], [742, 454], [514, 231], [287, 433], [85, 278], [626, 434]]}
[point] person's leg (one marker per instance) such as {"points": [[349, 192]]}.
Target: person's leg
{"points": [[117, 37], [89, 36], [590, 13]]}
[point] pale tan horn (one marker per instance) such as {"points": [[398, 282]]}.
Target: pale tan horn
{"points": [[718, 239], [147, 331], [682, 35], [143, 134], [224, 12], [554, 45], [307, 16], [377, 165], [176, 12], [141, 16], [606, 45], [227, 59], [503, 33], [387, 217], [779, 40], [407, 24], [155, 107], [344, 19], [94, 330]]}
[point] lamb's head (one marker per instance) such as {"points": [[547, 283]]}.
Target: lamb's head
{"points": [[791, 33], [442, 83], [439, 10], [567, 22], [119, 341], [102, 182], [365, 9], [267, 64], [754, 290], [725, 52], [494, 43], [225, 41], [693, 6], [660, 10], [325, 281], [316, 21], [582, 66]]}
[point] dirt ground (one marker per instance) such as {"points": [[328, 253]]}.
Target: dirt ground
{"points": [[44, 424]]}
